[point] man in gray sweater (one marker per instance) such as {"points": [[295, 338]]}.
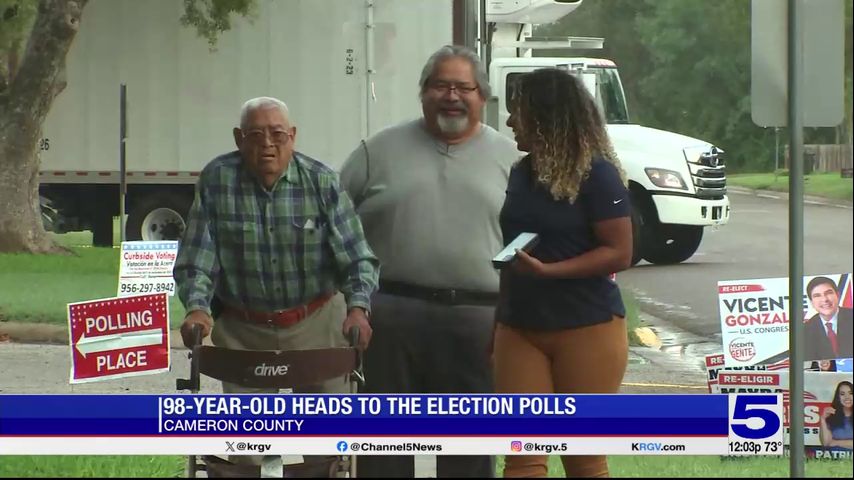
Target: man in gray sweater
{"points": [[429, 192]]}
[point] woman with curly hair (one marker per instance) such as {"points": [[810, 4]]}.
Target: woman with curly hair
{"points": [[560, 322], [837, 428]]}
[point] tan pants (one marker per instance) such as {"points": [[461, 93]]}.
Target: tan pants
{"points": [[583, 360], [321, 329]]}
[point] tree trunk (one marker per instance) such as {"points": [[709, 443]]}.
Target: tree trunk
{"points": [[23, 107]]}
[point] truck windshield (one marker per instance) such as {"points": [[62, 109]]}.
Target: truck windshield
{"points": [[610, 96], [609, 92]]}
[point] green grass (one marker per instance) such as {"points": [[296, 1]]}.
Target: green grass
{"points": [[829, 185], [77, 239], [37, 288], [632, 318], [95, 466], [620, 466], [706, 466]]}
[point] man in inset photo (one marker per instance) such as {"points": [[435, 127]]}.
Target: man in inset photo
{"points": [[829, 333]]}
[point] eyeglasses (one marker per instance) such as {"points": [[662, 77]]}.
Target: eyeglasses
{"points": [[445, 87], [258, 137]]}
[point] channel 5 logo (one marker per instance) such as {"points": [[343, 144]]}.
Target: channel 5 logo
{"points": [[516, 446]]}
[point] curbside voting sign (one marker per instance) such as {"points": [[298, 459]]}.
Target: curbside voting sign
{"points": [[146, 267], [119, 337]]}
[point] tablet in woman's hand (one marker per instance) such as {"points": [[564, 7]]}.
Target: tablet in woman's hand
{"points": [[525, 241]]}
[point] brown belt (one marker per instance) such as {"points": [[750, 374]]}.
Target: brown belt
{"points": [[281, 318]]}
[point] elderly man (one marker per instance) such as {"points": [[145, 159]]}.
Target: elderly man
{"points": [[429, 192], [273, 239]]}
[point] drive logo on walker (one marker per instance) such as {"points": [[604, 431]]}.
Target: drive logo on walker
{"points": [[756, 424], [265, 370], [119, 337]]}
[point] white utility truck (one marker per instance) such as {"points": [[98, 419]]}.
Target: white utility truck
{"points": [[346, 68]]}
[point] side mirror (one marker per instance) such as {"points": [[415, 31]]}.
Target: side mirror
{"points": [[491, 116]]}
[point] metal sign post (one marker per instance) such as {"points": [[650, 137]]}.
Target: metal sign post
{"points": [[122, 165], [796, 241], [796, 62]]}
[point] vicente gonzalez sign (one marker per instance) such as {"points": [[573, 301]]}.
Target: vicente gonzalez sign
{"points": [[754, 317]]}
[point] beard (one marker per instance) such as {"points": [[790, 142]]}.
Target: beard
{"points": [[452, 125]]}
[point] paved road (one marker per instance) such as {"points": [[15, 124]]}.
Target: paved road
{"points": [[753, 245]]}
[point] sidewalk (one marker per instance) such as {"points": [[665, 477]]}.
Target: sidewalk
{"points": [[27, 346], [808, 199]]}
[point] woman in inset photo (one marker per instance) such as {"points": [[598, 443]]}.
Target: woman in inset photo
{"points": [[836, 425]]}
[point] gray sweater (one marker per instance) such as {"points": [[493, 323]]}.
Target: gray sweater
{"points": [[429, 209]]}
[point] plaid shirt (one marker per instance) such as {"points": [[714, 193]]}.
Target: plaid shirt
{"points": [[272, 250]]}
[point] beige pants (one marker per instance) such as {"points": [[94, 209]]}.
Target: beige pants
{"points": [[321, 329], [581, 360]]}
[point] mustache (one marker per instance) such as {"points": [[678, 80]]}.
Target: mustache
{"points": [[455, 105]]}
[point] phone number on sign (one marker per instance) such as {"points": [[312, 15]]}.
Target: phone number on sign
{"points": [[146, 287]]}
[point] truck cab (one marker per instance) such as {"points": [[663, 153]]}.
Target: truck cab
{"points": [[677, 183]]}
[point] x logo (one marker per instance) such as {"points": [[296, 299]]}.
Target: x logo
{"points": [[229, 446]]}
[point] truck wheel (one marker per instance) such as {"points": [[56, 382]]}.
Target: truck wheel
{"points": [[668, 244], [159, 216]]}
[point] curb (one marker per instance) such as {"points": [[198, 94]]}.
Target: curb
{"points": [[21, 332], [808, 199]]}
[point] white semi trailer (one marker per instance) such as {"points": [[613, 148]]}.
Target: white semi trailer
{"points": [[346, 68]]}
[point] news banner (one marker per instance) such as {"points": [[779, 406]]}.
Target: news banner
{"points": [[715, 424]]}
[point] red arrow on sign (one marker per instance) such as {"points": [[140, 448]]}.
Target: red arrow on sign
{"points": [[119, 337]]}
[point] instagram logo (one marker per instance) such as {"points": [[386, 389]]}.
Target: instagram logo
{"points": [[516, 446]]}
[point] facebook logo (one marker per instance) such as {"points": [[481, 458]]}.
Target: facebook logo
{"points": [[342, 446]]}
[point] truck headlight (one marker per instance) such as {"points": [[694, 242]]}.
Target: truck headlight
{"points": [[665, 178]]}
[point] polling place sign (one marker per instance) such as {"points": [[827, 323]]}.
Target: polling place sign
{"points": [[119, 337]]}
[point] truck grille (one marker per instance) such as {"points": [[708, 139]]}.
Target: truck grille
{"points": [[708, 173]]}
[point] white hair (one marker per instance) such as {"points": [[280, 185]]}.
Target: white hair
{"points": [[451, 51], [262, 103]]}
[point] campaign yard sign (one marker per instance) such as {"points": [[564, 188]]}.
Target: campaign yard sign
{"points": [[820, 390], [715, 365], [754, 317], [119, 337]]}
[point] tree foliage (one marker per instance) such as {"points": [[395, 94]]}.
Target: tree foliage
{"points": [[213, 17], [686, 68], [700, 54], [16, 20], [35, 36], [613, 20]]}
